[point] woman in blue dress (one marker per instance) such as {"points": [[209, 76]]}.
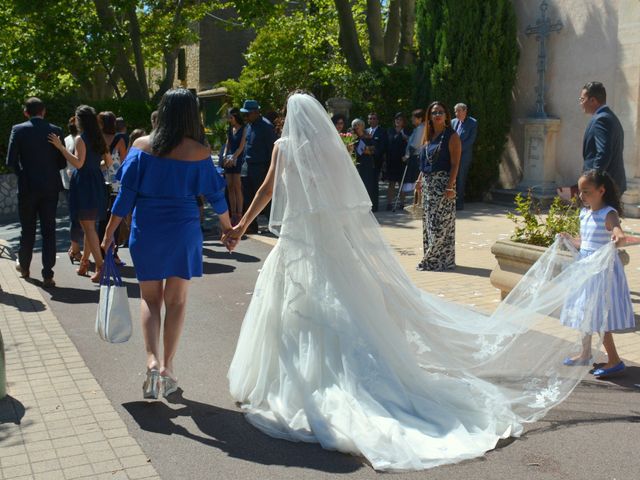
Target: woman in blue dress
{"points": [[232, 159], [87, 201], [160, 179]]}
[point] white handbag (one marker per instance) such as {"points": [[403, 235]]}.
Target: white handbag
{"points": [[113, 319]]}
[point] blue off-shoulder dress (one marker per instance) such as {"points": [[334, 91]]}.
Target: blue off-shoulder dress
{"points": [[165, 239]]}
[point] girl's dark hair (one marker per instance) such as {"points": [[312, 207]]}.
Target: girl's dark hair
{"points": [[89, 126], [108, 121], [235, 113], [178, 118], [611, 195], [428, 124]]}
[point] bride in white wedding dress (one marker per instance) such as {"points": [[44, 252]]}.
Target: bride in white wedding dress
{"points": [[339, 347]]}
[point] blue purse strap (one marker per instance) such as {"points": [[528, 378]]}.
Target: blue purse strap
{"points": [[110, 270]]}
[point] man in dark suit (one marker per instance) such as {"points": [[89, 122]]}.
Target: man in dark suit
{"points": [[604, 138], [257, 151], [381, 144], [467, 128], [37, 164]]}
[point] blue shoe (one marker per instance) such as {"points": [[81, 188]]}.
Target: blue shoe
{"points": [[570, 362], [607, 372]]}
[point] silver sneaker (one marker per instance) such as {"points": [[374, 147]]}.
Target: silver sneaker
{"points": [[150, 385], [167, 385]]}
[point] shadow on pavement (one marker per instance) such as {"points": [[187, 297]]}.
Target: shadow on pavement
{"points": [[224, 255], [72, 295], [216, 268], [473, 271], [22, 303], [228, 431]]}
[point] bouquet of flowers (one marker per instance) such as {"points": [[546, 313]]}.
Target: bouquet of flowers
{"points": [[350, 141]]}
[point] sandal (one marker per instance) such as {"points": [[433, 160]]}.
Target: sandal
{"points": [[95, 278], [83, 270], [74, 256]]}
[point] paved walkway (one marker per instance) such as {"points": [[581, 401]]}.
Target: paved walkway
{"points": [[57, 422]]}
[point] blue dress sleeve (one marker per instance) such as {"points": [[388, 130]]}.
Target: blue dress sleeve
{"points": [[129, 177], [212, 186]]}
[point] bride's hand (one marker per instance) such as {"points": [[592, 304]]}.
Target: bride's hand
{"points": [[232, 237]]}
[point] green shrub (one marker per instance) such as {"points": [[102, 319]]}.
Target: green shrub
{"points": [[468, 52], [216, 134], [534, 229], [137, 115]]}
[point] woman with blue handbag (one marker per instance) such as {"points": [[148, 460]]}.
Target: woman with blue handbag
{"points": [[160, 180]]}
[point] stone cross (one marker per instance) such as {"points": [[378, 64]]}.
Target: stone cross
{"points": [[541, 30]]}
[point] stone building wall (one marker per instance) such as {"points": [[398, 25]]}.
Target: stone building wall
{"points": [[217, 56], [221, 50], [8, 197], [600, 41]]}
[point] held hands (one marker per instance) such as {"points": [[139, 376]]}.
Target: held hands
{"points": [[55, 141], [231, 237]]}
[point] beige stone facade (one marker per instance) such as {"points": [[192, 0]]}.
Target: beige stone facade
{"points": [[600, 41], [217, 56]]}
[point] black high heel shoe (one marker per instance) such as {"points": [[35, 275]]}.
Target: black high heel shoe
{"points": [[74, 256]]}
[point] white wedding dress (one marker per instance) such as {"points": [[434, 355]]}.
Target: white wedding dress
{"points": [[339, 347]]}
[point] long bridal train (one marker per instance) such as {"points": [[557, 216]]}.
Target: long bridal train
{"points": [[339, 347]]}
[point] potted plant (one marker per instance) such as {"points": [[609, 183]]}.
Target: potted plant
{"points": [[532, 235]]}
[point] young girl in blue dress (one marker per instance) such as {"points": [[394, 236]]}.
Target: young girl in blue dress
{"points": [[600, 224]]}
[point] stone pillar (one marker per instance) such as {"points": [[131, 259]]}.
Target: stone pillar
{"points": [[539, 166], [339, 105]]}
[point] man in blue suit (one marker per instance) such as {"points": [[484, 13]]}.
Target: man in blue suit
{"points": [[604, 138], [467, 129], [37, 164], [257, 151]]}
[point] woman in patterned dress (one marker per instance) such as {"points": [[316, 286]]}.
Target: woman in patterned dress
{"points": [[439, 163]]}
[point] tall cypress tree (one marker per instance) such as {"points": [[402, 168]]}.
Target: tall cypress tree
{"points": [[468, 52]]}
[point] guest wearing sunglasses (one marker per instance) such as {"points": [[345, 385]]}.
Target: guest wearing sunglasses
{"points": [[439, 163]]}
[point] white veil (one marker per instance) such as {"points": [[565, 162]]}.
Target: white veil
{"points": [[396, 343]]}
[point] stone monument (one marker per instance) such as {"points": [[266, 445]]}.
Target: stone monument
{"points": [[540, 129], [339, 105]]}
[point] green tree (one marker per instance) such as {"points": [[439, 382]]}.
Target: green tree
{"points": [[56, 47], [386, 39], [278, 62], [468, 52]]}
